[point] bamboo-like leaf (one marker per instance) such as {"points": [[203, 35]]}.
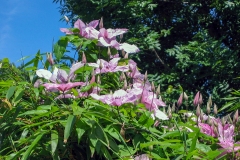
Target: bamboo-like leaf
{"points": [[10, 92], [194, 141], [68, 128], [34, 112], [54, 141], [30, 148]]}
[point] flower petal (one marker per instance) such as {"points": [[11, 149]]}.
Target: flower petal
{"points": [[44, 73]]}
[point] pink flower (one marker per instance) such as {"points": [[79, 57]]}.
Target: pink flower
{"points": [[62, 96], [159, 114], [207, 129], [59, 75], [111, 66], [62, 87], [107, 38], [226, 132], [86, 30], [142, 157], [117, 99], [225, 138], [129, 48], [150, 100]]}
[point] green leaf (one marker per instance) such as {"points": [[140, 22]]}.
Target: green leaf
{"points": [[30, 148], [69, 126], [10, 92], [24, 133], [194, 141], [80, 133], [145, 119], [54, 141], [18, 95], [5, 63], [6, 83], [37, 112], [60, 47], [88, 87], [36, 91]]}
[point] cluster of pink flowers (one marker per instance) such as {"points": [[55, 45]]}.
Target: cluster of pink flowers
{"points": [[105, 37], [139, 90], [223, 131]]}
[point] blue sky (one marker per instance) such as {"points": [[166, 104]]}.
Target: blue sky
{"points": [[27, 26]]}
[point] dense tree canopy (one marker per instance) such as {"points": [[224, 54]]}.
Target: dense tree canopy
{"points": [[194, 43]]}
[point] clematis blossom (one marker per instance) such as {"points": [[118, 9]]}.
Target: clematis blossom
{"points": [[62, 87], [207, 129], [226, 141], [111, 66], [86, 30], [117, 99], [150, 100], [107, 38], [159, 115], [59, 75], [142, 157], [129, 48]]}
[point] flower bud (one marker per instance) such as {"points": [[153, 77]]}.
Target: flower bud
{"points": [[208, 108], [215, 123], [93, 79], [122, 77], [169, 109], [173, 107], [235, 117], [180, 99], [145, 77], [170, 115], [101, 23], [209, 121], [164, 110], [123, 53], [98, 80], [216, 131], [122, 131], [84, 59], [200, 100], [125, 85], [201, 116], [156, 123], [215, 109], [66, 18], [158, 91], [223, 121], [109, 52], [160, 98], [230, 119], [126, 56], [210, 101], [50, 59], [100, 65], [198, 111], [153, 87], [196, 99], [185, 96]]}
